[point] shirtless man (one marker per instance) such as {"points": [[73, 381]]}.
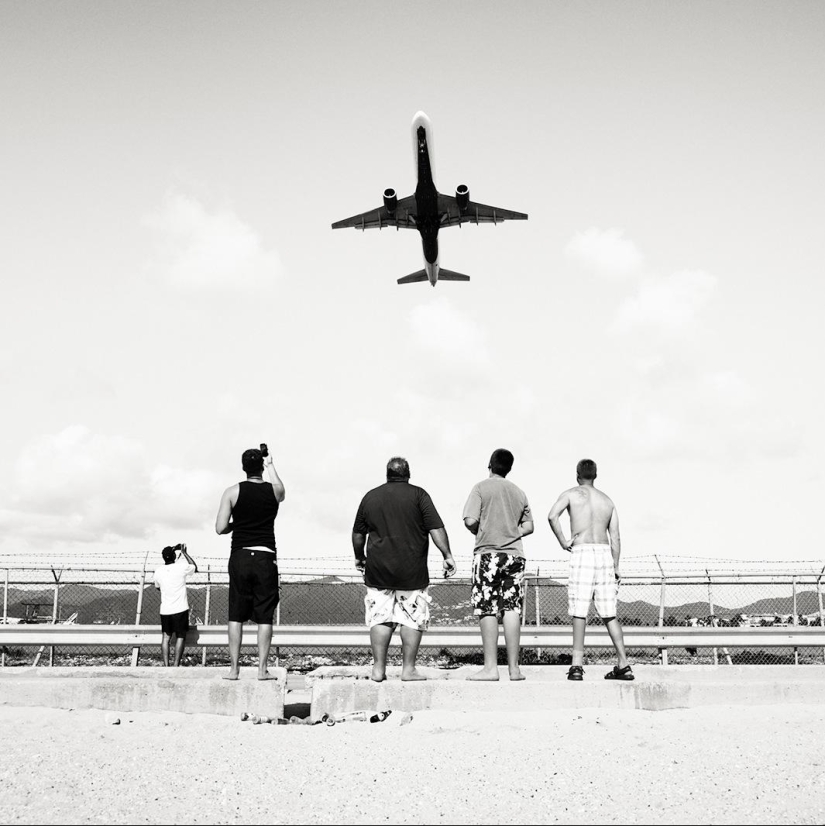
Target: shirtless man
{"points": [[595, 547]]}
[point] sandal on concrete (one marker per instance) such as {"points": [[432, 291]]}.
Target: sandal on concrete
{"points": [[576, 672], [620, 674]]}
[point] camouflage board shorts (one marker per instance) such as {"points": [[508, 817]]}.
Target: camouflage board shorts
{"points": [[497, 584]]}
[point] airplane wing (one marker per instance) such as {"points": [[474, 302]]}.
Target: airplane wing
{"points": [[450, 214], [403, 216]]}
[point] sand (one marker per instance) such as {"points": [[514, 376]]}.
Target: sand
{"points": [[706, 765]]}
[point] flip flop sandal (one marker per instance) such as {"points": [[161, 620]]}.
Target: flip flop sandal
{"points": [[617, 673], [576, 672]]}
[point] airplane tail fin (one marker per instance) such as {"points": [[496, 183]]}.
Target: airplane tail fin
{"points": [[449, 275], [421, 275]]}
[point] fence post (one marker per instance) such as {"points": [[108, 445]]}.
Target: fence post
{"points": [[795, 619], [662, 651], [278, 622], [536, 595], [819, 597], [53, 622], [141, 585], [714, 623], [6, 611], [55, 610], [712, 618], [206, 607]]}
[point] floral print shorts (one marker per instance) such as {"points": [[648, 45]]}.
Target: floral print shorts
{"points": [[387, 606], [497, 584]]}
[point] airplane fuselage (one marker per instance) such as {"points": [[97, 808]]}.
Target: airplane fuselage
{"points": [[426, 195]]}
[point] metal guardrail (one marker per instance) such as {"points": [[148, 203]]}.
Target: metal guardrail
{"points": [[352, 636]]}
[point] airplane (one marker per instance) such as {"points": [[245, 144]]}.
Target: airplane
{"points": [[428, 210]]}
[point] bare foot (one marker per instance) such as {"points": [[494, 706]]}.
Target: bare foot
{"points": [[516, 675], [412, 675], [233, 675], [484, 676], [267, 676], [378, 675]]}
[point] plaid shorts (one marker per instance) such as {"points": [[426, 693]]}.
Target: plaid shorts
{"points": [[592, 576], [497, 584]]}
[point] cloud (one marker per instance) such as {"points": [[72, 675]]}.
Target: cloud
{"points": [[606, 251], [202, 249], [669, 303], [80, 486], [438, 327], [679, 413]]}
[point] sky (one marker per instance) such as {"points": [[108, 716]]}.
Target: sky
{"points": [[172, 292]]}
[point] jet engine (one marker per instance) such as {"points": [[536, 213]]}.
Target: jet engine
{"points": [[462, 197], [390, 200]]}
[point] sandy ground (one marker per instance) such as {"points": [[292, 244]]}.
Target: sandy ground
{"points": [[708, 765]]}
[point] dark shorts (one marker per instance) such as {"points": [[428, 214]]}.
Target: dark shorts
{"points": [[497, 584], [175, 623], [253, 586]]}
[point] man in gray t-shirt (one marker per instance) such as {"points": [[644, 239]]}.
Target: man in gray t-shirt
{"points": [[498, 515]]}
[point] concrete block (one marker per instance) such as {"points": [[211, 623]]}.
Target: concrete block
{"points": [[189, 690], [342, 689]]}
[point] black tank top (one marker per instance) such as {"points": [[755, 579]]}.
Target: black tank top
{"points": [[253, 516]]}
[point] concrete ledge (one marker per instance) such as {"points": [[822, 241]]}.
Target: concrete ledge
{"points": [[190, 690], [656, 688]]}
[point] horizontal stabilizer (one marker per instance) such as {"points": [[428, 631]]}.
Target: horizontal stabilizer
{"points": [[449, 275], [421, 275]]}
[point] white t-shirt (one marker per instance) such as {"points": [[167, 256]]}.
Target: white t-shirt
{"points": [[171, 579]]}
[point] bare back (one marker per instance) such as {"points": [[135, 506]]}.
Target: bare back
{"points": [[590, 512]]}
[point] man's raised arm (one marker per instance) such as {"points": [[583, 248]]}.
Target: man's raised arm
{"points": [[277, 484], [554, 518], [189, 558]]}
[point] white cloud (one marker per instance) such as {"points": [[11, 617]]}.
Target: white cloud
{"points": [[606, 251], [198, 248], [679, 413], [80, 486], [669, 303], [438, 327]]}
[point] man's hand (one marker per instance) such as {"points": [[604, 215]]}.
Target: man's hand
{"points": [[618, 577], [568, 545], [361, 566], [449, 566]]}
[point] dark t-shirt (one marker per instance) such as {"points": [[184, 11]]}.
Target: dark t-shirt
{"points": [[398, 518]]}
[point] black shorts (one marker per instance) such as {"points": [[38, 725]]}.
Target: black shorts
{"points": [[253, 586], [175, 623]]}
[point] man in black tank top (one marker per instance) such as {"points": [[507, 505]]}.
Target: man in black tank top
{"points": [[247, 511]]}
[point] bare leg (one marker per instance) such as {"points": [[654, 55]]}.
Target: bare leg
{"points": [[264, 643], [380, 636], [235, 639], [512, 639], [164, 649], [489, 640], [579, 624], [617, 638], [410, 640], [180, 644]]}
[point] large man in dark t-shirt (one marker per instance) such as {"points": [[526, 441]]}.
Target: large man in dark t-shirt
{"points": [[399, 519]]}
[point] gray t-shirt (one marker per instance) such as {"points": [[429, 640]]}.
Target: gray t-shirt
{"points": [[500, 507]]}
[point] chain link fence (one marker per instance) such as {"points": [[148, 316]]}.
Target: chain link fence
{"points": [[128, 597]]}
